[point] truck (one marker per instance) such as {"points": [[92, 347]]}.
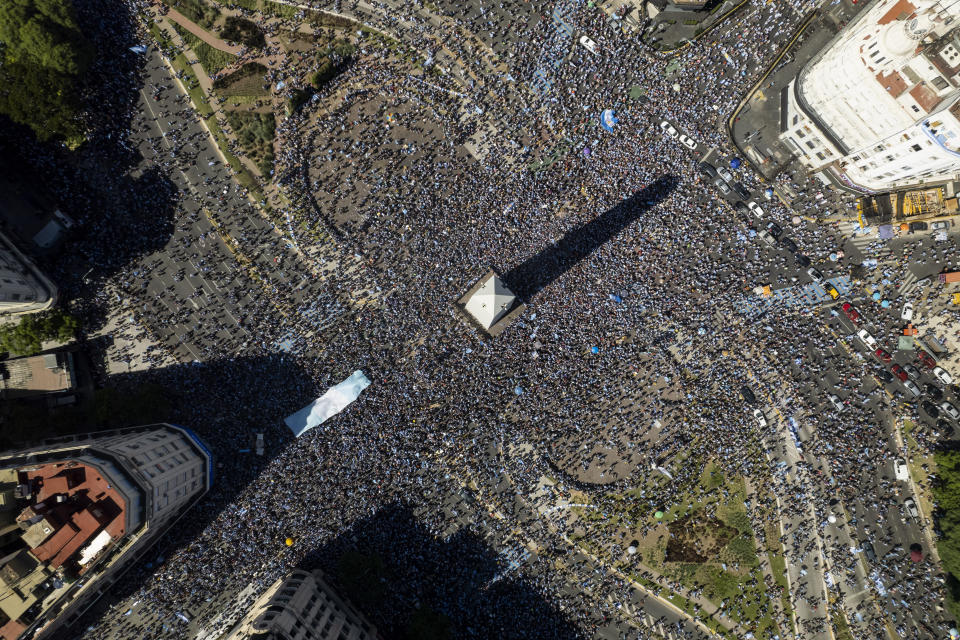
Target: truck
{"points": [[949, 276]]}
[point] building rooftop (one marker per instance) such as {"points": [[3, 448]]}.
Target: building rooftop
{"points": [[48, 373], [66, 511]]}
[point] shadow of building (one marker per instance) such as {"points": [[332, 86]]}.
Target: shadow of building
{"points": [[409, 569]]}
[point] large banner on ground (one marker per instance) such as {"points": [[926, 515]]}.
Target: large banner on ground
{"points": [[328, 405]]}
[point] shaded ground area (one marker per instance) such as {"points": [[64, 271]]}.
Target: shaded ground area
{"points": [[450, 577]]}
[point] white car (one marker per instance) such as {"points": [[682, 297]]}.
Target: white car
{"points": [[900, 470], [688, 142], [912, 387], [835, 401], [907, 314], [815, 275], [668, 129], [766, 237], [867, 339], [760, 418], [757, 211], [942, 375], [588, 44], [726, 175], [911, 508], [950, 410]]}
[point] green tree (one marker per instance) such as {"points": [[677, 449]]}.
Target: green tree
{"points": [[43, 55], [26, 337]]}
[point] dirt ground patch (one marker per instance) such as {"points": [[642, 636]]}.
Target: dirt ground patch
{"points": [[697, 539]]}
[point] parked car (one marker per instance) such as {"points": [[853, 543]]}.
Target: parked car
{"points": [[747, 394], [688, 142], [911, 507], [907, 313], [707, 170], [851, 312], [883, 355], [259, 444], [742, 208], [775, 230], [899, 372], [941, 225], [942, 375], [814, 274], [668, 129], [885, 375], [912, 387], [950, 410], [766, 237], [930, 408], [723, 173], [722, 186], [933, 391], [926, 359], [760, 418], [789, 245], [757, 211], [802, 260], [832, 291], [867, 339], [741, 190], [918, 226], [869, 552], [912, 371]]}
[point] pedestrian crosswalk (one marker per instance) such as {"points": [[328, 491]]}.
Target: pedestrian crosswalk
{"points": [[870, 246], [909, 284]]}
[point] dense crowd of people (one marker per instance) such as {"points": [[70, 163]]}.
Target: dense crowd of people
{"points": [[618, 364]]}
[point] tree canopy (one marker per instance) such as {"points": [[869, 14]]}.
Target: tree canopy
{"points": [[26, 337], [43, 54], [946, 492]]}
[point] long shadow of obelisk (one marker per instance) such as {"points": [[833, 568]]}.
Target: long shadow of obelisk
{"points": [[539, 270]]}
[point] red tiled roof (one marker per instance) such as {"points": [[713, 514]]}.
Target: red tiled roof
{"points": [[893, 83], [53, 486], [926, 96], [12, 630], [56, 542], [903, 6]]}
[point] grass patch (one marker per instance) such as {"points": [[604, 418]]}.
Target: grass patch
{"points": [[249, 5], [193, 85], [237, 29], [244, 177], [256, 132], [211, 59], [323, 19], [916, 462], [840, 627], [198, 11], [248, 80], [280, 10]]}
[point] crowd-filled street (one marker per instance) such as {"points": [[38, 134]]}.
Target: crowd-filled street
{"points": [[645, 344]]}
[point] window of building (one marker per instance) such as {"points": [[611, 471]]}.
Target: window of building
{"points": [[810, 144], [916, 147], [820, 156]]}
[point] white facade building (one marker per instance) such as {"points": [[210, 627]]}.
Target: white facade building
{"points": [[23, 289], [878, 106], [302, 607]]}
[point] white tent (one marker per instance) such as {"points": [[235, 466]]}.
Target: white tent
{"points": [[491, 302], [328, 405]]}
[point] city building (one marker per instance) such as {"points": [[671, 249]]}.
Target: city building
{"points": [[23, 288], [302, 607], [76, 511], [49, 374], [877, 108]]}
